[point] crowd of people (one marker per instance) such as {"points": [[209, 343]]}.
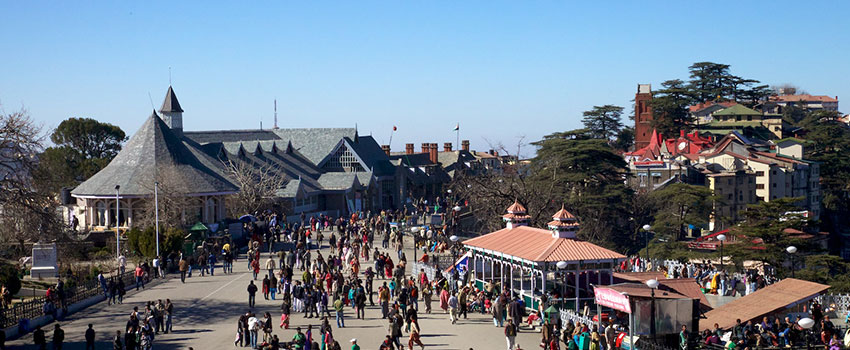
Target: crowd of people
{"points": [[303, 280], [711, 278], [780, 331]]}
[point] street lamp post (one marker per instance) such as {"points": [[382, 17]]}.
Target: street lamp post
{"points": [[721, 238], [117, 222], [652, 284], [646, 229], [561, 266], [791, 251], [156, 216]]}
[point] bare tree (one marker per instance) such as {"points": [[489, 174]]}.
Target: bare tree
{"points": [[258, 184], [175, 202], [490, 193], [25, 213]]}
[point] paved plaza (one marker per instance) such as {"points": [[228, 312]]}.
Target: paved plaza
{"points": [[206, 310]]}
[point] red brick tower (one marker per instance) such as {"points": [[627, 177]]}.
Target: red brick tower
{"points": [[643, 116]]}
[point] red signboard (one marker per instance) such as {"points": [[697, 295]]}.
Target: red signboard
{"points": [[613, 299]]}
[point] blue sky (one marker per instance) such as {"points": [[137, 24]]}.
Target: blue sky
{"points": [[503, 69]]}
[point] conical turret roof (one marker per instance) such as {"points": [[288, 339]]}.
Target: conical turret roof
{"points": [[516, 208], [170, 104]]}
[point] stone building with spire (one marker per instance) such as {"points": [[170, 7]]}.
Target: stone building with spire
{"points": [[327, 170]]}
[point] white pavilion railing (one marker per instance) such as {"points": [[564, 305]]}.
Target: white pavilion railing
{"points": [[569, 315]]}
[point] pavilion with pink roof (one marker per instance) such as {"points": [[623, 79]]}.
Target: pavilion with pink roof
{"points": [[528, 260]]}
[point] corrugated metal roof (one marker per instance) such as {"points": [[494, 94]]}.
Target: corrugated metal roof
{"points": [[770, 299], [535, 244]]}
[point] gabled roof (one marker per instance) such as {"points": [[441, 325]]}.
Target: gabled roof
{"points": [[341, 181], [535, 244], [170, 104], [737, 110], [455, 160], [701, 106], [155, 153], [316, 143]]}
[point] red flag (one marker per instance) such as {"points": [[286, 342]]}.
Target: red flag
{"points": [[394, 128]]}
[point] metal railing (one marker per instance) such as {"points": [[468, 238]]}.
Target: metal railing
{"points": [[34, 307], [567, 315], [841, 303]]}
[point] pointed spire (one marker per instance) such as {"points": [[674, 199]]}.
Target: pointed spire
{"points": [[170, 104], [516, 215], [564, 224]]}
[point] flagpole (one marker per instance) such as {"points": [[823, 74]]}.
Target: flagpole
{"points": [[457, 135], [391, 139]]}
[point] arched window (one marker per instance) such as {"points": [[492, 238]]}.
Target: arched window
{"points": [[100, 214], [212, 210], [122, 219]]}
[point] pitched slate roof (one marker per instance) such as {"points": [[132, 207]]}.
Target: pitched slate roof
{"points": [[455, 160], [315, 143], [340, 181], [534, 244], [153, 150], [203, 137], [170, 104]]}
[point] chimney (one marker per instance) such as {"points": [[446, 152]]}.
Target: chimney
{"points": [[433, 153], [447, 147], [386, 149], [496, 153], [491, 152], [426, 148], [408, 148], [464, 145]]}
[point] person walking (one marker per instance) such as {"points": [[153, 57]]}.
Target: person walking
{"points": [[285, 308], [453, 309], [117, 341], [39, 339], [169, 308], [139, 273], [444, 300], [339, 307], [90, 335], [384, 299], [266, 287], [254, 328], [270, 264], [252, 292], [414, 336], [510, 335], [427, 292], [354, 345], [58, 337], [183, 265], [122, 289]]}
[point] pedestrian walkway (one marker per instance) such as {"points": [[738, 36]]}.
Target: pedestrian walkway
{"points": [[206, 310]]}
